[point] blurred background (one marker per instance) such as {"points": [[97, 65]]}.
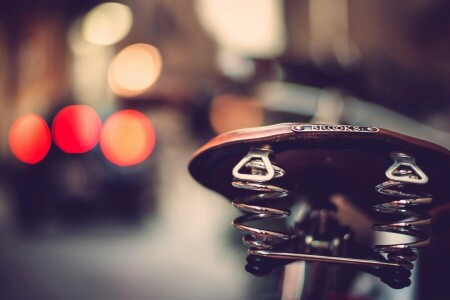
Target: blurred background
{"points": [[102, 104]]}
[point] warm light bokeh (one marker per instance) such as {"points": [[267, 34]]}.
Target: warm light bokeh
{"points": [[107, 23], [134, 70], [76, 129], [253, 28], [230, 112], [29, 138], [127, 138], [89, 66]]}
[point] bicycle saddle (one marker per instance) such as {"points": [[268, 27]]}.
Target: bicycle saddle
{"points": [[269, 164]]}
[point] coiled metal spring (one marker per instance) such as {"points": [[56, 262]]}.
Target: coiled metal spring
{"points": [[262, 169], [266, 246], [403, 172]]}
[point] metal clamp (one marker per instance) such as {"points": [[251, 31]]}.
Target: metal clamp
{"points": [[405, 169], [258, 160]]}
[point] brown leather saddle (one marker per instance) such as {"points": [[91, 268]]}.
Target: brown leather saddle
{"points": [[333, 158], [383, 173]]}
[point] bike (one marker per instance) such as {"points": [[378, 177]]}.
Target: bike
{"points": [[294, 172]]}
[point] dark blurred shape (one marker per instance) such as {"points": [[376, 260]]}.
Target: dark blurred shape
{"points": [[13, 10], [399, 53], [432, 24], [75, 191]]}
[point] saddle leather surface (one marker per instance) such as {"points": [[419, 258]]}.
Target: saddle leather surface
{"points": [[350, 160]]}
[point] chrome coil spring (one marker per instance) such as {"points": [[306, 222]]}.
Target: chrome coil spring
{"points": [[262, 169], [403, 172]]}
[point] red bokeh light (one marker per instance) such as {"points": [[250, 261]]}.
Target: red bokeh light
{"points": [[29, 138], [127, 138], [76, 129]]}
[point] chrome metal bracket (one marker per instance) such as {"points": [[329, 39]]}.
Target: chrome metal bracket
{"points": [[404, 169], [262, 169]]}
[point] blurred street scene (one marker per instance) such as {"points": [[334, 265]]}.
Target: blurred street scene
{"points": [[102, 105]]}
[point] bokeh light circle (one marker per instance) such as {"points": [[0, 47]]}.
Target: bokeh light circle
{"points": [[29, 138], [134, 70], [76, 129], [127, 138], [107, 23]]}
